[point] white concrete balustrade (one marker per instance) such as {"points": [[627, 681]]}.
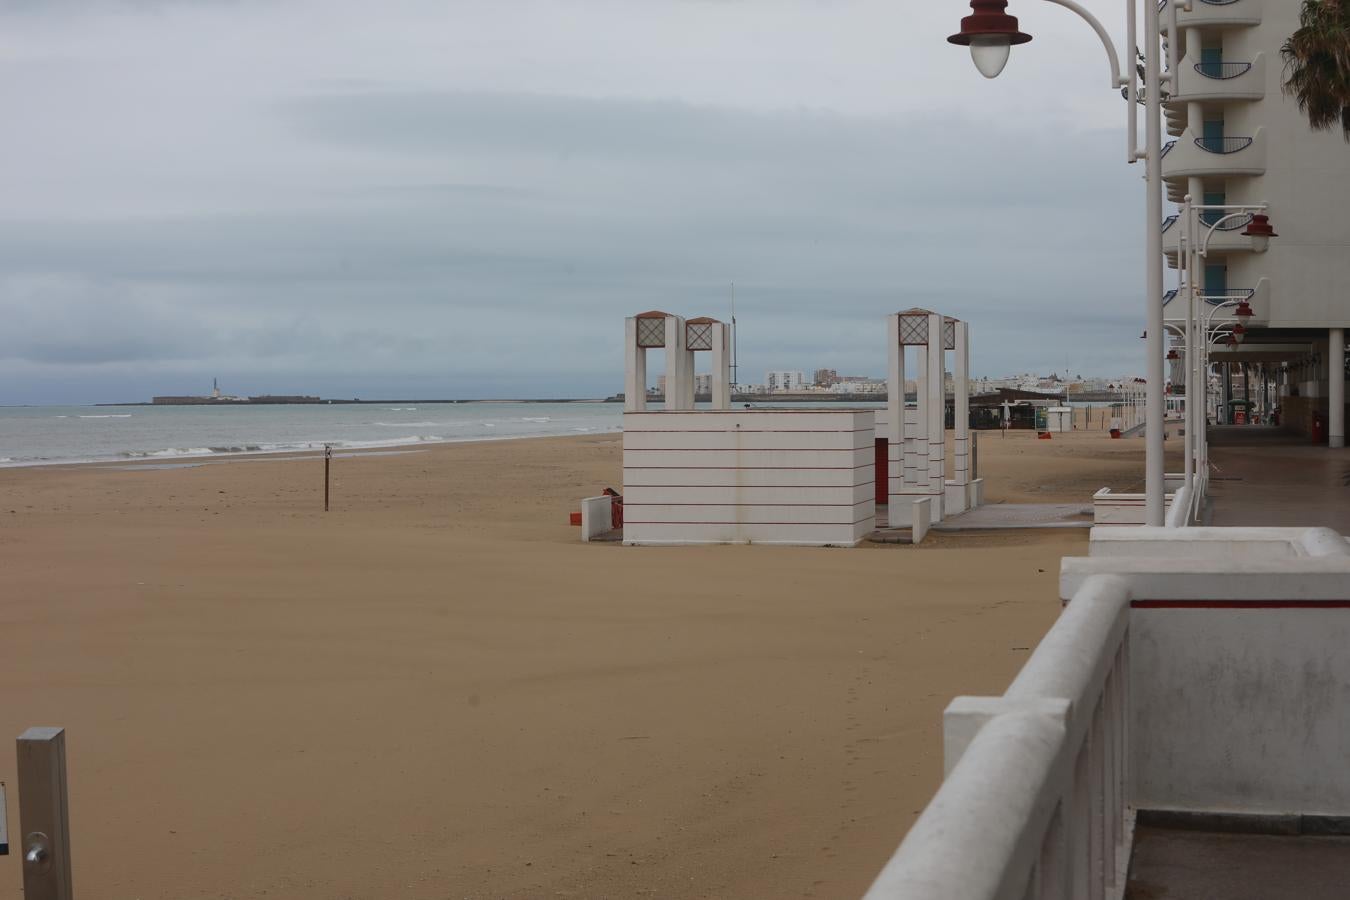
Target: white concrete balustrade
{"points": [[1034, 801], [1205, 679]]}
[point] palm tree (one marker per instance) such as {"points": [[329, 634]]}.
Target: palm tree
{"points": [[1317, 64]]}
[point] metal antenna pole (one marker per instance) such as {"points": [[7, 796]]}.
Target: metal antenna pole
{"points": [[735, 379]]}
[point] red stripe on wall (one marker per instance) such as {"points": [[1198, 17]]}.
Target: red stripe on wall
{"points": [[1240, 604]]}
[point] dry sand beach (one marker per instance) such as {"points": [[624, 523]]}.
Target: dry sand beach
{"points": [[436, 691]]}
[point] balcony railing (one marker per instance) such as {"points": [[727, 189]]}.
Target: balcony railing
{"points": [[1209, 216], [1223, 71], [1216, 296], [1223, 145], [1162, 4]]}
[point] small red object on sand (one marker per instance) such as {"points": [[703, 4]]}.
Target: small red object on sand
{"points": [[1043, 436], [576, 518]]}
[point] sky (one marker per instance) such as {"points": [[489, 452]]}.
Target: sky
{"points": [[418, 199]]}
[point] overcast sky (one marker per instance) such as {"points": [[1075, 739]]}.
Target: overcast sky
{"points": [[464, 199]]}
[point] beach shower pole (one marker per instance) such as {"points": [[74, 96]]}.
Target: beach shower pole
{"points": [[44, 815], [327, 462]]}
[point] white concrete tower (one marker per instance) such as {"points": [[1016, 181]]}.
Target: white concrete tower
{"points": [[656, 330], [707, 334], [916, 443]]}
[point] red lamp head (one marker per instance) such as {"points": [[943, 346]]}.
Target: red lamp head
{"points": [[1173, 355], [1239, 332], [990, 33], [1260, 231], [1244, 310]]}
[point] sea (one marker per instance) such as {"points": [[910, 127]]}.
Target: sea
{"points": [[52, 435]]}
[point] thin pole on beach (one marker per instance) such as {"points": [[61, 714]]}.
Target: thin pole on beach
{"points": [[327, 462]]}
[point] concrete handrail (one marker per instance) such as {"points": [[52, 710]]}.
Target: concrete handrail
{"points": [[1038, 788], [980, 837], [1076, 655]]}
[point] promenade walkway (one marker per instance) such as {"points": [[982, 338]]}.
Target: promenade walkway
{"points": [[1266, 476]]}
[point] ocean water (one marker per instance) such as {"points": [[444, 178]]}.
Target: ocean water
{"points": [[47, 435]]}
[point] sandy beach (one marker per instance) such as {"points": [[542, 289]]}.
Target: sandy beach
{"points": [[435, 691]]}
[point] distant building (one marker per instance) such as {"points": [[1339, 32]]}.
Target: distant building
{"points": [[825, 377], [784, 381]]}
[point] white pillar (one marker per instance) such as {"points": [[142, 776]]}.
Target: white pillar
{"points": [[679, 395], [937, 415], [895, 425], [721, 366], [919, 432], [1336, 389], [634, 369], [961, 383]]}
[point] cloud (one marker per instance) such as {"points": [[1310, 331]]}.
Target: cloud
{"points": [[486, 201]]}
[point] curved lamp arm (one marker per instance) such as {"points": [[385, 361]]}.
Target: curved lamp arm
{"points": [[1118, 78], [1204, 245]]}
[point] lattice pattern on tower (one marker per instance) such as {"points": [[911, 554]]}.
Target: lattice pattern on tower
{"points": [[651, 332], [914, 330], [698, 336]]}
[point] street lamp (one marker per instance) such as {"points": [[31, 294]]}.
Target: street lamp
{"points": [[1260, 231], [990, 33]]}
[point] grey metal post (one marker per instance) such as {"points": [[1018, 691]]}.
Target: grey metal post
{"points": [[44, 819]]}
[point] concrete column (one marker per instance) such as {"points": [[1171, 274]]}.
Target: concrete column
{"points": [[919, 431], [634, 369], [721, 366], [678, 367], [895, 424], [1227, 416], [937, 415], [1336, 388], [961, 381]]}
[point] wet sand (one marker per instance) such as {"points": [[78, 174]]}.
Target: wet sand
{"points": [[436, 691]]}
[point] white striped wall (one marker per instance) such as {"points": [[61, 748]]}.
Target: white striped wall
{"points": [[749, 476]]}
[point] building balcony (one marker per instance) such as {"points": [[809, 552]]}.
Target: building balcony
{"points": [[1216, 82], [1227, 238], [1205, 157], [1214, 14]]}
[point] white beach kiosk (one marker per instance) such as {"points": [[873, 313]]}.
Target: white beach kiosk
{"points": [[783, 476]]}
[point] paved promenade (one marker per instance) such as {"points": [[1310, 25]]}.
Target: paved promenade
{"points": [[1265, 476]]}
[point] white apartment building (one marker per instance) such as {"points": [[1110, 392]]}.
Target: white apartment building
{"points": [[784, 381], [1240, 140]]}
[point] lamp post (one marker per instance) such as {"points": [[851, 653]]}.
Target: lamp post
{"points": [[991, 33], [1197, 326]]}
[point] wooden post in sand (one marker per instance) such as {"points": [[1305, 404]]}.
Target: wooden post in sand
{"points": [[44, 819], [327, 462]]}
